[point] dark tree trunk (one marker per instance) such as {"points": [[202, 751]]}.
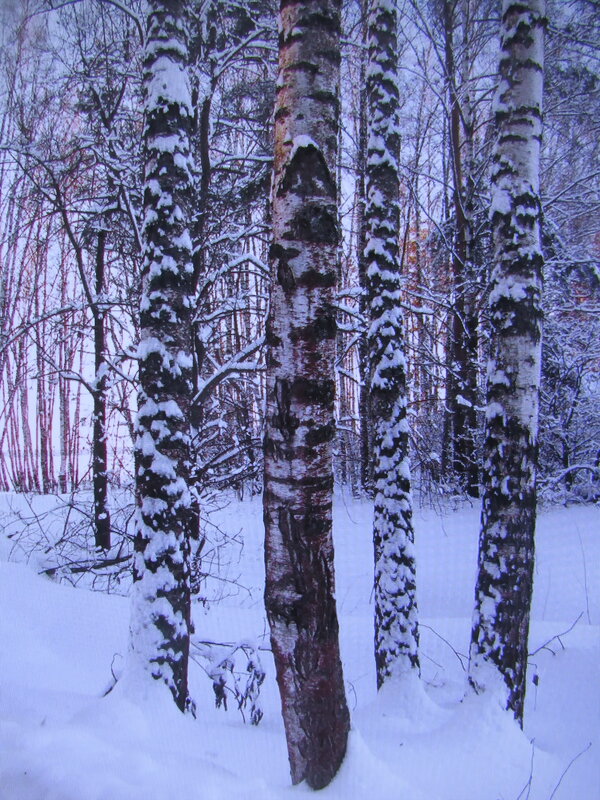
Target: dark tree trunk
{"points": [[364, 415], [99, 448], [506, 546], [461, 393], [301, 342]]}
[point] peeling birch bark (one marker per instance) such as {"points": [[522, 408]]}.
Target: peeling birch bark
{"points": [[301, 342]]}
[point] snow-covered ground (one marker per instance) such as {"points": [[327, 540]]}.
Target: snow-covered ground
{"points": [[61, 739]]}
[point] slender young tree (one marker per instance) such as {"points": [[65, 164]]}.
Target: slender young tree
{"points": [[301, 341], [99, 437], [396, 633], [461, 389], [161, 611], [506, 546], [364, 416]]}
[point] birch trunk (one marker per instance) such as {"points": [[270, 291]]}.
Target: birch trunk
{"points": [[506, 547], [301, 340], [160, 624], [396, 633]]}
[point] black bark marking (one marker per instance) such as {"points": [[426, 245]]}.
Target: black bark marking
{"points": [[315, 279], [284, 419], [285, 274], [307, 175], [321, 329], [324, 433], [310, 483], [313, 392], [315, 222]]}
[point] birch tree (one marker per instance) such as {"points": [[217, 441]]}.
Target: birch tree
{"points": [[506, 546], [301, 341], [396, 633], [160, 625]]}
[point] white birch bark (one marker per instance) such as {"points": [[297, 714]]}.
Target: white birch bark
{"points": [[506, 548], [301, 342]]}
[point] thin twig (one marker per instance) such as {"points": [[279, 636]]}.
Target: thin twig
{"points": [[585, 581], [557, 636], [460, 656], [85, 566], [568, 767], [530, 779]]}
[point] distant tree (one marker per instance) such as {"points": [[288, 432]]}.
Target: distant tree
{"points": [[506, 547], [569, 171], [396, 631], [570, 158], [301, 342], [569, 412], [234, 74], [81, 174], [461, 382], [160, 626]]}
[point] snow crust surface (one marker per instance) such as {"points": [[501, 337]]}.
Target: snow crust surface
{"points": [[62, 739]]}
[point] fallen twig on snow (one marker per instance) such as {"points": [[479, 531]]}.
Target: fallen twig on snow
{"points": [[568, 767]]}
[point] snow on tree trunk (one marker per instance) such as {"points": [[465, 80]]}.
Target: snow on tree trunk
{"points": [[301, 339], [506, 548], [161, 608], [396, 633]]}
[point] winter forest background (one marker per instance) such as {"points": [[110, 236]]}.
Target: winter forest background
{"points": [[84, 140]]}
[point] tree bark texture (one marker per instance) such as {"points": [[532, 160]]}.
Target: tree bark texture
{"points": [[301, 343], [161, 613], [396, 632], [364, 415], [461, 392], [506, 547], [99, 446]]}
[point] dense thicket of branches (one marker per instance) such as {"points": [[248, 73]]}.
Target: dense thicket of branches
{"points": [[70, 205]]}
